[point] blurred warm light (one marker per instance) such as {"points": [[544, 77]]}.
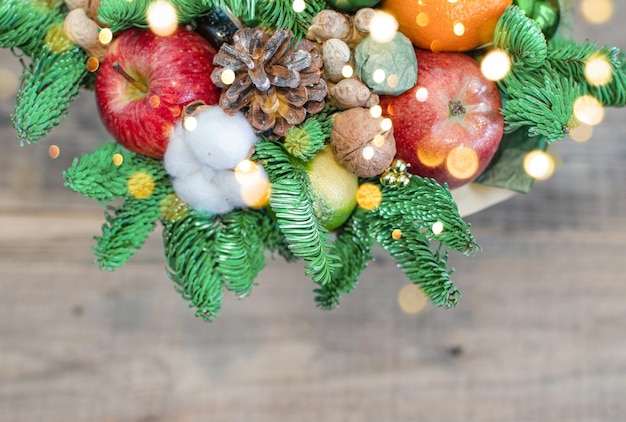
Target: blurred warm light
{"points": [[368, 196], [581, 132], [421, 94], [393, 81], [92, 64], [54, 151], [347, 71], [383, 27], [598, 70], [462, 162], [298, 6], [386, 124], [162, 18], [396, 234], [378, 141], [539, 165], [8, 83], [379, 76], [588, 110], [118, 159], [597, 11], [411, 299], [253, 182], [458, 28], [105, 36], [495, 65], [376, 111], [430, 158], [228, 76], [422, 19], [190, 123], [368, 152], [437, 228]]}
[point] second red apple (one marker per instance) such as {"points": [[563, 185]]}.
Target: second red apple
{"points": [[448, 127]]}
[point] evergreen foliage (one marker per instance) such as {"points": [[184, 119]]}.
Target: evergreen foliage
{"points": [[521, 38]]}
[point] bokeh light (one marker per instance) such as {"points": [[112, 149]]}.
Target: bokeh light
{"points": [[386, 124], [368, 152], [254, 184], [459, 29], [298, 6], [162, 18], [597, 11], [228, 76], [368, 196], [495, 65], [421, 94], [105, 36], [437, 228], [581, 132], [462, 162], [396, 234], [347, 71], [588, 110], [598, 70], [190, 123], [539, 165], [411, 299], [54, 151], [141, 185], [117, 159], [376, 111], [378, 76], [383, 27]]}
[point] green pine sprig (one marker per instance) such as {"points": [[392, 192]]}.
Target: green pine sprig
{"points": [[522, 38], [280, 14], [291, 202], [570, 59], [353, 246], [304, 140], [48, 86]]}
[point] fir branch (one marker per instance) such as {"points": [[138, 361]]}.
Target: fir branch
{"points": [[304, 140], [279, 14], [522, 38], [189, 244], [570, 58], [126, 230], [239, 250], [424, 267], [353, 246], [24, 24], [273, 239], [541, 99], [291, 202], [422, 204], [48, 86]]}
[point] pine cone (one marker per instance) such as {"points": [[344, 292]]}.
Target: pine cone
{"points": [[275, 84]]}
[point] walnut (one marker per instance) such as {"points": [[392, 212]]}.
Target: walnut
{"points": [[351, 93], [359, 143]]}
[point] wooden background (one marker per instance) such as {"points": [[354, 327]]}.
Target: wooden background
{"points": [[539, 335]]}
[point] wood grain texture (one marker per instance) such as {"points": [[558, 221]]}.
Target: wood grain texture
{"points": [[539, 335]]}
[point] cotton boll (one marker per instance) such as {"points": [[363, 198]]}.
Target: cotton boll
{"points": [[220, 140], [178, 159], [202, 195], [229, 187]]}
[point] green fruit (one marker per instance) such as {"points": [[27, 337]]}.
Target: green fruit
{"points": [[333, 188], [352, 5]]}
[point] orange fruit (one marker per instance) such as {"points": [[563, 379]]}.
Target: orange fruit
{"points": [[447, 25]]}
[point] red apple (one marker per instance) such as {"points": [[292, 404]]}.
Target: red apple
{"points": [[447, 127], [144, 82]]}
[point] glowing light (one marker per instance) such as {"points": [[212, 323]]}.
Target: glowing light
{"points": [[298, 6], [140, 185], [411, 299], [162, 18], [421, 94], [459, 28], [347, 71], [92, 64], [495, 65], [368, 152], [597, 11], [118, 159], [396, 234], [105, 36], [228, 76], [376, 111], [430, 158], [378, 141], [379, 76], [393, 81], [462, 162], [598, 70], [383, 27], [154, 101], [436, 46], [588, 110], [254, 184], [437, 228], [54, 151], [422, 19], [190, 123], [386, 124], [368, 196], [581, 132], [452, 1], [539, 165], [8, 83]]}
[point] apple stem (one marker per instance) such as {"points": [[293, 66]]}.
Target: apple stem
{"points": [[137, 84]]}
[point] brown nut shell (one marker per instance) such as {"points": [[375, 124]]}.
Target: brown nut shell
{"points": [[359, 143]]}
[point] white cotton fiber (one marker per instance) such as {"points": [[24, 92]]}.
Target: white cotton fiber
{"points": [[178, 160]]}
